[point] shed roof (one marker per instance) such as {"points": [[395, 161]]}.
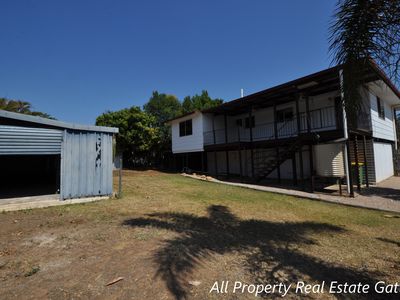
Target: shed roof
{"points": [[54, 123]]}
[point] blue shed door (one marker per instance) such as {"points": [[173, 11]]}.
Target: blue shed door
{"points": [[86, 167], [16, 140]]}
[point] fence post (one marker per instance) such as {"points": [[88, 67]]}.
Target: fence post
{"points": [[120, 178]]}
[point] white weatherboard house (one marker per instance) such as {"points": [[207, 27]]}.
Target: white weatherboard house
{"points": [[297, 131]]}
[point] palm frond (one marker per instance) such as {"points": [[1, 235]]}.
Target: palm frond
{"points": [[362, 30]]}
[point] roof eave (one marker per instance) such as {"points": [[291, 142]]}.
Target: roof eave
{"points": [[169, 122], [55, 123]]}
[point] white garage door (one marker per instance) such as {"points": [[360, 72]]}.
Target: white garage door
{"points": [[383, 161]]}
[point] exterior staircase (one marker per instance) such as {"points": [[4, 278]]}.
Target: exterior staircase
{"points": [[266, 160]]}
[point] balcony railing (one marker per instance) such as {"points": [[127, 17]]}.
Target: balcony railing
{"points": [[320, 119]]}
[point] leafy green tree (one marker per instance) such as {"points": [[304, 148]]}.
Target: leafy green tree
{"points": [[362, 30], [144, 138], [138, 135], [199, 102], [22, 107], [163, 107]]}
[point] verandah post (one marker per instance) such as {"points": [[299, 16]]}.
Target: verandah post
{"points": [[226, 142], [311, 168], [301, 148], [202, 162], [251, 140], [294, 168], [357, 163], [215, 153], [350, 178], [308, 117], [278, 169], [240, 156], [365, 162]]}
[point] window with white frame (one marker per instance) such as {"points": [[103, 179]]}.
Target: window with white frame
{"points": [[185, 128], [380, 107]]}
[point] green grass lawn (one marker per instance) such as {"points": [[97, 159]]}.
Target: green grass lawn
{"points": [[168, 231]]}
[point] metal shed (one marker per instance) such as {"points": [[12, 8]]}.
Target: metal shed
{"points": [[77, 159]]}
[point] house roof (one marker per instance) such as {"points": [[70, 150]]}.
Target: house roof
{"points": [[54, 123], [385, 78], [182, 116], [317, 83]]}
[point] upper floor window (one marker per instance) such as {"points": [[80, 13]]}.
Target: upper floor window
{"points": [[284, 115], [185, 128], [381, 108], [247, 122]]}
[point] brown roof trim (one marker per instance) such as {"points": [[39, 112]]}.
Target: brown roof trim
{"points": [[384, 77], [291, 84], [182, 116], [277, 88]]}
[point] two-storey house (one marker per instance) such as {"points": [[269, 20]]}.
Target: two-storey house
{"points": [[297, 130]]}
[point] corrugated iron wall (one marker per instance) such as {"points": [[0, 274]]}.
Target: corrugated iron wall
{"points": [[16, 140], [86, 164]]}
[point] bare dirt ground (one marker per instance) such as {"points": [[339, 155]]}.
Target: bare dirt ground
{"points": [[172, 237]]}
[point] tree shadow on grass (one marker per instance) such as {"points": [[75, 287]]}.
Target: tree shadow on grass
{"points": [[270, 249]]}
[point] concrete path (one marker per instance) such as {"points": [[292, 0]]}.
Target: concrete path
{"points": [[12, 204], [385, 196]]}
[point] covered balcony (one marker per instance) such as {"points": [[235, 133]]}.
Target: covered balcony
{"points": [[322, 119]]}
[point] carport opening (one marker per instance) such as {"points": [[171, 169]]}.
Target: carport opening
{"points": [[29, 175]]}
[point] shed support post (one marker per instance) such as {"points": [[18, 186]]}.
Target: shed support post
{"points": [[58, 177], [366, 162], [120, 178]]}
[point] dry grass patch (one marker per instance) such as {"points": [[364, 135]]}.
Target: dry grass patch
{"points": [[169, 230]]}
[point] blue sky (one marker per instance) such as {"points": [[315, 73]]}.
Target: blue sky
{"points": [[77, 59]]}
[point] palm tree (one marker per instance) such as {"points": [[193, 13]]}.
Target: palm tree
{"points": [[22, 107], [361, 31], [19, 106]]}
